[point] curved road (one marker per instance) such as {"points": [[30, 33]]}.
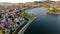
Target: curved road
{"points": [[44, 23]]}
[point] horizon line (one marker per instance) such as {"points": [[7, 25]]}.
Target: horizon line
{"points": [[22, 2]]}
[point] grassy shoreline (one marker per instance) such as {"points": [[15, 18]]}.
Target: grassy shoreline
{"points": [[20, 27], [26, 26], [53, 12]]}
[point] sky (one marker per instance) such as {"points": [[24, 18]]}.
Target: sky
{"points": [[22, 1], [55, 0]]}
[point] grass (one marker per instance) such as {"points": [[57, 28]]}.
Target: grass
{"points": [[53, 12], [1, 32]]}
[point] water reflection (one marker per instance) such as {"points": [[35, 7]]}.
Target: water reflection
{"points": [[44, 23]]}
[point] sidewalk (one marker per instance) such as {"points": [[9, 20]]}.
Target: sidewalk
{"points": [[25, 27]]}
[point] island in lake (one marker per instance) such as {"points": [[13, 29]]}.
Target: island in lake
{"points": [[55, 11]]}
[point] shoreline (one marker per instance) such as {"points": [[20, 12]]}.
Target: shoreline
{"points": [[26, 26], [57, 13], [52, 12]]}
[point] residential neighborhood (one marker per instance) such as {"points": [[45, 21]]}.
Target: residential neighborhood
{"points": [[14, 16]]}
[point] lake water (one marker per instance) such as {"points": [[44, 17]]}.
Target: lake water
{"points": [[44, 23]]}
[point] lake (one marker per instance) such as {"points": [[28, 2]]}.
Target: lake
{"points": [[44, 23]]}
